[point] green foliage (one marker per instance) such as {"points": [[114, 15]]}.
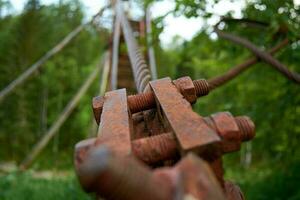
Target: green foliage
{"points": [[272, 101], [265, 182], [262, 93], [25, 186], [33, 107]]}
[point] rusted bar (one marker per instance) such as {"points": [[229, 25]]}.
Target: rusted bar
{"points": [[114, 129], [189, 128], [140, 102]]}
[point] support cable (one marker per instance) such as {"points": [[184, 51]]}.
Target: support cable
{"points": [[220, 80], [265, 56], [151, 54], [42, 143], [25, 75], [139, 67], [115, 53]]}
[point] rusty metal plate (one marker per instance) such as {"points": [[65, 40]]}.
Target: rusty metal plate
{"points": [[199, 181], [233, 191], [114, 129], [190, 129], [97, 105]]}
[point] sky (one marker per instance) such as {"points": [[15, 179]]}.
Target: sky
{"points": [[181, 26], [174, 26]]}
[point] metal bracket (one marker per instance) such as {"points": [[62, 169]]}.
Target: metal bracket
{"points": [[103, 162], [114, 129], [189, 128]]}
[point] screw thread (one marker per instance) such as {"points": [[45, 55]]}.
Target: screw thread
{"points": [[155, 148], [201, 87], [146, 101], [246, 127], [141, 102]]}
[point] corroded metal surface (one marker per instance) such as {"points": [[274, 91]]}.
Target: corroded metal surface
{"points": [[187, 88], [147, 155], [189, 128], [114, 129], [233, 192], [155, 149], [113, 177], [164, 146], [232, 130], [191, 90], [198, 180], [97, 105], [117, 177]]}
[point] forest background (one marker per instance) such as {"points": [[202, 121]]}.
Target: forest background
{"points": [[266, 168]]}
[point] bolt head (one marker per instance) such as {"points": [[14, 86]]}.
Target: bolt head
{"points": [[186, 87], [226, 125]]}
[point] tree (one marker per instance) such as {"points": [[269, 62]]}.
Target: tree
{"points": [[35, 105], [260, 92]]}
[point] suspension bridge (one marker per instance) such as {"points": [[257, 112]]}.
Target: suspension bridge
{"points": [[157, 125]]}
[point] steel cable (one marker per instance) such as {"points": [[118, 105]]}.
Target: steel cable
{"points": [[235, 71], [265, 56], [115, 54], [42, 143], [25, 75], [140, 69], [151, 54]]}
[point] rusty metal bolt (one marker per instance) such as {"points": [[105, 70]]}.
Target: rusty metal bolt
{"points": [[140, 102], [232, 128], [224, 123], [186, 87], [136, 103], [155, 148], [246, 127], [164, 146], [145, 101], [201, 87]]}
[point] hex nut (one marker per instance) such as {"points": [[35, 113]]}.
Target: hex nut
{"points": [[186, 87]]}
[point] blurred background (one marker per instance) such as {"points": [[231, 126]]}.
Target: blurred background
{"points": [[184, 44]]}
